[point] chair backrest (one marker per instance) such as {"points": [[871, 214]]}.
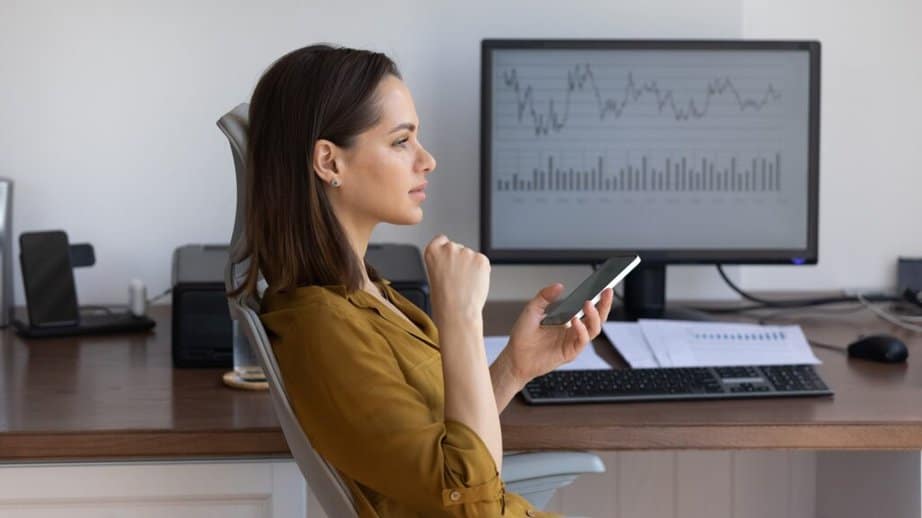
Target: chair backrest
{"points": [[324, 481]]}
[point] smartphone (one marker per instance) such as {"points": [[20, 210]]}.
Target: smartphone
{"points": [[48, 279], [612, 271]]}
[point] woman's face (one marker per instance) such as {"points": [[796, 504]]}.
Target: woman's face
{"points": [[384, 173]]}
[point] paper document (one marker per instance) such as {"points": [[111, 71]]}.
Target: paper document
{"points": [[587, 360], [630, 342], [679, 343]]}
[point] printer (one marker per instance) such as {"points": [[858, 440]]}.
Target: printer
{"points": [[202, 328]]}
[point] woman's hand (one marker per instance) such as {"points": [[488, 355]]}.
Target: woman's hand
{"points": [[459, 279], [534, 350]]}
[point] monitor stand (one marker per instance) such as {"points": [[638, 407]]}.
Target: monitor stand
{"points": [[645, 297]]}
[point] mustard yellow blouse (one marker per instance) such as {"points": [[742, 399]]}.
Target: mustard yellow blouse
{"points": [[367, 388]]}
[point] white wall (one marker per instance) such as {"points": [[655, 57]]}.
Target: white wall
{"points": [[871, 131], [107, 114]]}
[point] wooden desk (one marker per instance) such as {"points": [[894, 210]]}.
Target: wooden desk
{"points": [[98, 397], [876, 406], [108, 397]]}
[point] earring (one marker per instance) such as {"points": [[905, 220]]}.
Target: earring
{"points": [[335, 182]]}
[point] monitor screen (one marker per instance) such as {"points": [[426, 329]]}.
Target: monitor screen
{"points": [[682, 151]]}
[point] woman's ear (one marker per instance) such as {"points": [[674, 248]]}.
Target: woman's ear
{"points": [[324, 160]]}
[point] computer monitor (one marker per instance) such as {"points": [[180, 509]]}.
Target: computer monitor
{"points": [[683, 151]]}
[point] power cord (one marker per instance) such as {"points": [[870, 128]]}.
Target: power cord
{"points": [[797, 303], [836, 348], [776, 313], [889, 317], [866, 300], [761, 303], [109, 310], [160, 296]]}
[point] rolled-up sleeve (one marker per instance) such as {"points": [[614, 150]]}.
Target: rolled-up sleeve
{"points": [[358, 410]]}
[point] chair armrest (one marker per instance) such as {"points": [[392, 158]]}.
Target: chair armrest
{"points": [[529, 465]]}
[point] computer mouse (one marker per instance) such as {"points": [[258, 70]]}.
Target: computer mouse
{"points": [[879, 348]]}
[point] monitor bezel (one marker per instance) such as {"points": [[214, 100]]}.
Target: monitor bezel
{"points": [[807, 255]]}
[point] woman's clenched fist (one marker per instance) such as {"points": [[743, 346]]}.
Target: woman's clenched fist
{"points": [[459, 279]]}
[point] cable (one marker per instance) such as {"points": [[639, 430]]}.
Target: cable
{"points": [[759, 307], [761, 303], [913, 297], [736, 309], [794, 303], [867, 301], [885, 315], [158, 297], [809, 312], [109, 309], [778, 303], [905, 313], [836, 348]]}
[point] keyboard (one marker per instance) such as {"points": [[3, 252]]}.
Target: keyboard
{"points": [[674, 383]]}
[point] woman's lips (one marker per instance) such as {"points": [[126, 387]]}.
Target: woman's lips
{"points": [[419, 192]]}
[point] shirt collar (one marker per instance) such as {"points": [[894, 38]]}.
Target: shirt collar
{"points": [[418, 318], [363, 299]]}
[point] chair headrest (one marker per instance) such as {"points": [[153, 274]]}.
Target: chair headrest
{"points": [[234, 124]]}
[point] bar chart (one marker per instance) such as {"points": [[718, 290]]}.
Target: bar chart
{"points": [[760, 174]]}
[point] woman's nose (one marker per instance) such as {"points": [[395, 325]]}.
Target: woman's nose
{"points": [[428, 161]]}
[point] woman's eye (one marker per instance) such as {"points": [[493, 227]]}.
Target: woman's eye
{"points": [[401, 141]]}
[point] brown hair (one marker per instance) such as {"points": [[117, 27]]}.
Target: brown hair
{"points": [[292, 235]]}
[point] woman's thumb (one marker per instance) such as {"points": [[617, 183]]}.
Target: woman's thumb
{"points": [[546, 295]]}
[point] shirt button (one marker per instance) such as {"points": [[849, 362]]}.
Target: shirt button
{"points": [[454, 496]]}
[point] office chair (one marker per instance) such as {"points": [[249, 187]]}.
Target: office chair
{"points": [[534, 475]]}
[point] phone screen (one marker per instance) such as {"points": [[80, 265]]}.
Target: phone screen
{"points": [[610, 273], [48, 279]]}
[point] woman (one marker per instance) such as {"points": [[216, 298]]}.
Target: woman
{"points": [[404, 407]]}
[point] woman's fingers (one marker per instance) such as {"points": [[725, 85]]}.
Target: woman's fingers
{"points": [[591, 319], [545, 297], [586, 328], [575, 347], [605, 304], [439, 240], [459, 277], [442, 248], [582, 334], [431, 252], [595, 315]]}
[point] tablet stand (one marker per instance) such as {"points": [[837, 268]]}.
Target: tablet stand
{"points": [[82, 255]]}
